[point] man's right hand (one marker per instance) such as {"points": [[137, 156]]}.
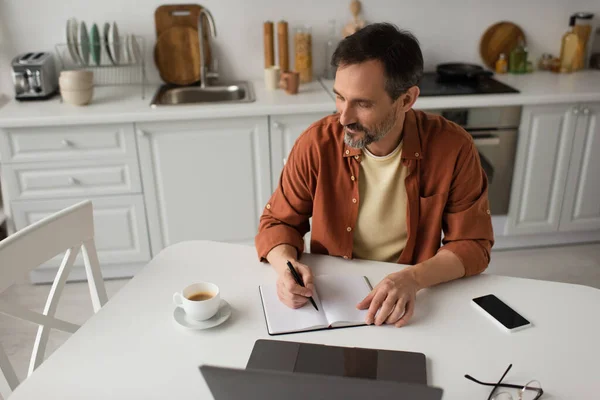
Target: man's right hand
{"points": [[289, 292]]}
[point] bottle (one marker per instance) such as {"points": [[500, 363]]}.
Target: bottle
{"points": [[569, 48], [583, 29], [518, 59], [330, 46], [303, 53], [501, 64]]}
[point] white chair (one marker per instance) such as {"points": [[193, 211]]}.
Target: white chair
{"points": [[67, 232]]}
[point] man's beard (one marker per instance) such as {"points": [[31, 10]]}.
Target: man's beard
{"points": [[369, 135]]}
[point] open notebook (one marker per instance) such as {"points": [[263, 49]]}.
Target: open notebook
{"points": [[336, 297]]}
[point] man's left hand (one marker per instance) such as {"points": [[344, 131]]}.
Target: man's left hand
{"points": [[394, 297]]}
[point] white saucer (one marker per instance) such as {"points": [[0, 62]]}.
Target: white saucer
{"points": [[221, 316]]}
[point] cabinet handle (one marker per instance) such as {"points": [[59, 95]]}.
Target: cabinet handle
{"points": [[576, 111], [277, 125], [586, 111], [73, 181], [141, 133], [67, 143]]}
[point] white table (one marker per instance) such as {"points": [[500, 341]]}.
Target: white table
{"points": [[133, 349]]}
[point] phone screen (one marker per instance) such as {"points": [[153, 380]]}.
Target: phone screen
{"points": [[500, 311]]}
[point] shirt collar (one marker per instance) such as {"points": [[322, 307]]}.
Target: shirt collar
{"points": [[411, 149]]}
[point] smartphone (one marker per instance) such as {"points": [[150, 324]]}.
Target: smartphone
{"points": [[504, 316]]}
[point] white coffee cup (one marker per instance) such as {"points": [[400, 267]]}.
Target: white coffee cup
{"points": [[199, 310], [272, 78]]}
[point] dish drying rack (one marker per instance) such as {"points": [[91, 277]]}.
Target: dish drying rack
{"points": [[128, 69]]}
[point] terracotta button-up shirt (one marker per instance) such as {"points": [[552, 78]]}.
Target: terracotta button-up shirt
{"points": [[445, 184]]}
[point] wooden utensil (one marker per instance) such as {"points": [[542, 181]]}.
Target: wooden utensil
{"points": [[283, 46], [177, 56], [167, 17], [269, 44], [499, 38]]}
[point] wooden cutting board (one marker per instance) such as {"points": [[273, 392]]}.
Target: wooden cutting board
{"points": [[177, 57], [177, 53], [499, 38]]}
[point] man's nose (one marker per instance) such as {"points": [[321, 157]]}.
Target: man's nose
{"points": [[347, 116]]}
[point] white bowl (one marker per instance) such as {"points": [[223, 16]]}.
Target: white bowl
{"points": [[77, 97], [74, 84], [79, 74]]}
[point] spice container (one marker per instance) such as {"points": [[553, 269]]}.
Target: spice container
{"points": [[502, 64], [303, 53]]}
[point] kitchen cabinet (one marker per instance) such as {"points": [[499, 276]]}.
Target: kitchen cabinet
{"points": [[285, 129], [120, 230], [556, 183], [204, 179], [581, 204]]}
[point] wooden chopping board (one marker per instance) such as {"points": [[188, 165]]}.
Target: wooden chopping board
{"points": [[177, 53], [177, 56], [499, 38]]}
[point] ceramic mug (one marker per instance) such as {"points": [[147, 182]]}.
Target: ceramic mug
{"points": [[206, 304], [290, 82], [272, 77]]}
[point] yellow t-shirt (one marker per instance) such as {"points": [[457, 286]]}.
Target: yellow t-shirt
{"points": [[381, 232]]}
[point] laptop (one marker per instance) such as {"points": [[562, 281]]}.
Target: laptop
{"points": [[352, 362], [247, 384]]}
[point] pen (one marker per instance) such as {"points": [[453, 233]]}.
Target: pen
{"points": [[298, 280]]}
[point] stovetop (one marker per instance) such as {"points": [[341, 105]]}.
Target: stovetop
{"points": [[431, 85]]}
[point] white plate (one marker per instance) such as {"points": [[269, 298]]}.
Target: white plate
{"points": [[127, 50], [221, 316], [114, 44], [136, 51], [70, 44], [106, 39]]}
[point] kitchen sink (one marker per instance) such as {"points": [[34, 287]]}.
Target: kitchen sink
{"points": [[240, 92]]}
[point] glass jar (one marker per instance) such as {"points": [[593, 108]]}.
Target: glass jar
{"points": [[303, 53]]}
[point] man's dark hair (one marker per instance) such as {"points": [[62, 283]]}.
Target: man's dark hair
{"points": [[398, 50]]}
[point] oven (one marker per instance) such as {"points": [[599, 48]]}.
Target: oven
{"points": [[494, 131]]}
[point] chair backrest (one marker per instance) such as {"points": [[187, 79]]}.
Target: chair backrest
{"points": [[67, 231]]}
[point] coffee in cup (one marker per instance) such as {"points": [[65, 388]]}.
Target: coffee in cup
{"points": [[200, 301]]}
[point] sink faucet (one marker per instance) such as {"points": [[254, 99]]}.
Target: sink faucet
{"points": [[204, 72]]}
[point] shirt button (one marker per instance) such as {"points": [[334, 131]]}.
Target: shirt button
{"points": [[356, 157], [349, 229], [345, 257], [347, 152], [268, 206], [352, 177], [416, 154], [488, 211], [354, 200]]}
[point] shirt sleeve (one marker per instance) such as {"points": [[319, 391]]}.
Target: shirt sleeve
{"points": [[285, 219], [467, 222]]}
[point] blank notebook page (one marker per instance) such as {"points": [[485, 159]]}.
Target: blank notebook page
{"points": [[341, 294], [281, 318]]}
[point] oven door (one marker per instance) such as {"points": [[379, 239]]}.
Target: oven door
{"points": [[497, 149]]}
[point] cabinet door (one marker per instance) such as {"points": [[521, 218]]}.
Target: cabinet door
{"points": [[120, 229], [204, 180], [285, 129], [581, 206], [543, 152]]}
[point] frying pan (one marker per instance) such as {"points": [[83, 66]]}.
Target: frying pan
{"points": [[461, 71]]}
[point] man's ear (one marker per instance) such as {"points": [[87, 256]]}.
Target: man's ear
{"points": [[408, 99]]}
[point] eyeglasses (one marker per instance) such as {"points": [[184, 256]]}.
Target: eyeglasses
{"points": [[532, 390]]}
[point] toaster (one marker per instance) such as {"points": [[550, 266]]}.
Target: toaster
{"points": [[34, 76]]}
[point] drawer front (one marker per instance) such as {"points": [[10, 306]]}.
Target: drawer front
{"points": [[121, 232], [59, 180], [68, 143]]}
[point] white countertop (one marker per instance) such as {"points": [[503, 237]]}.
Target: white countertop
{"points": [[125, 104], [536, 88]]}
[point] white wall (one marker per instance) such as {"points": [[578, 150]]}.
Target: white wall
{"points": [[449, 30]]}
